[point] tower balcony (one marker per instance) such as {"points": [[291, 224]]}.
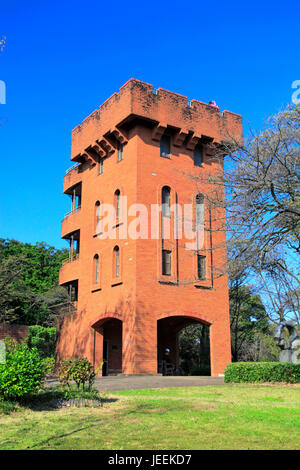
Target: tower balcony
{"points": [[69, 271], [72, 177], [71, 222]]}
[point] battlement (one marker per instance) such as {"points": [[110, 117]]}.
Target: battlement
{"points": [[158, 107]]}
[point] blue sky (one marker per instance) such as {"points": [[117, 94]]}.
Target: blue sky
{"points": [[63, 59]]}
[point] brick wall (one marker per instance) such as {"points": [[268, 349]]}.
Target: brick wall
{"points": [[140, 300], [17, 332]]}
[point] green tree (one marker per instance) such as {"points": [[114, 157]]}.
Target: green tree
{"points": [[43, 339], [29, 283], [194, 352], [248, 318], [13, 291], [40, 272]]}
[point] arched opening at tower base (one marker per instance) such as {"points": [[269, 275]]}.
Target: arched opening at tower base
{"points": [[107, 350], [188, 340]]}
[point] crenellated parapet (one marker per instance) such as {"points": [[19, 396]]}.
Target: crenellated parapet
{"points": [[189, 120]]}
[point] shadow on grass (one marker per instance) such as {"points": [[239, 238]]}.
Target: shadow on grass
{"points": [[58, 404], [60, 436], [56, 398]]}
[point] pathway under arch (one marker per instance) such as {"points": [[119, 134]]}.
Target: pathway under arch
{"points": [[107, 350], [168, 329]]}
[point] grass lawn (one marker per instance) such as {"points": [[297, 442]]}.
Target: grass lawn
{"points": [[220, 417]]}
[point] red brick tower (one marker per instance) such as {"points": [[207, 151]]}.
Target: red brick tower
{"points": [[133, 295]]}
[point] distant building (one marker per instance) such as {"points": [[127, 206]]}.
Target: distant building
{"points": [[133, 295]]}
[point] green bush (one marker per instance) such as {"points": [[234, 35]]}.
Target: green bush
{"points": [[43, 339], [49, 365], [65, 371], [262, 372], [10, 343], [78, 369], [22, 374]]}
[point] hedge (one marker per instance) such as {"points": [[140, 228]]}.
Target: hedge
{"points": [[262, 372]]}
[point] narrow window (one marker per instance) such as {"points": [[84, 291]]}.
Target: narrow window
{"points": [[166, 201], [100, 166], [198, 155], [97, 217], [117, 203], [166, 263], [96, 269], [120, 152], [200, 221], [165, 146], [201, 267], [199, 211], [116, 261]]}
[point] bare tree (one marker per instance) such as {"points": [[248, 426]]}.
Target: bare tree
{"points": [[264, 200], [262, 180], [263, 206]]}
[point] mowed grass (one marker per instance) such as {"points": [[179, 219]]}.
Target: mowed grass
{"points": [[220, 417]]}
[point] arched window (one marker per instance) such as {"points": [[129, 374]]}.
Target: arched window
{"points": [[96, 269], [117, 203], [116, 262], [166, 201], [97, 217]]}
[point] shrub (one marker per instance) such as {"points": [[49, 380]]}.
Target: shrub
{"points": [[43, 339], [10, 343], [58, 396], [262, 372], [22, 374], [49, 365], [78, 369], [83, 372], [65, 371]]}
